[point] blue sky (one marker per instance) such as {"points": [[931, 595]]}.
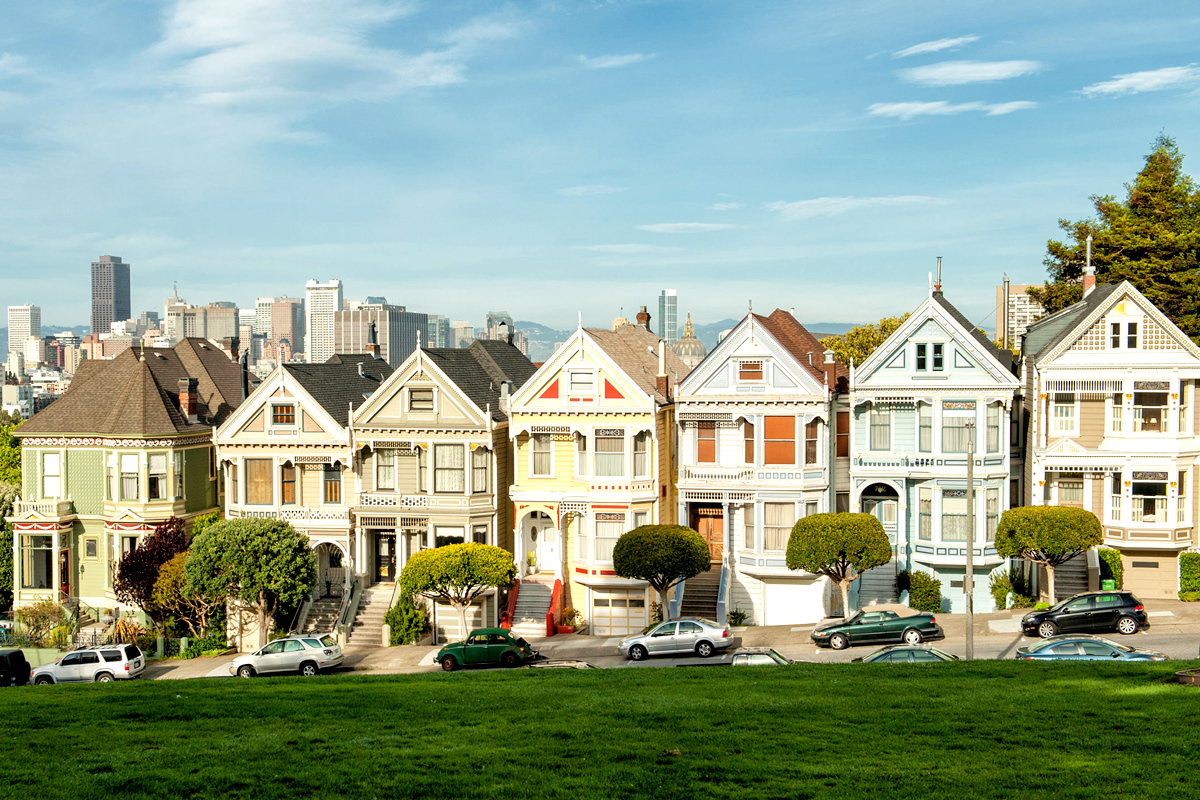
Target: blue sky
{"points": [[555, 157]]}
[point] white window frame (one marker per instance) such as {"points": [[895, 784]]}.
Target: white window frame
{"points": [[610, 525], [382, 463], [52, 482], [533, 455], [645, 439], [871, 412], [164, 490], [641, 518], [1058, 423], [787, 529], [611, 457], [582, 391], [122, 460]]}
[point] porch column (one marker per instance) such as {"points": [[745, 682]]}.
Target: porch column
{"points": [[348, 565], [55, 571], [902, 527], [726, 534]]}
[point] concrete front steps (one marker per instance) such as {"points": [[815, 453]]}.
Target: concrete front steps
{"points": [[533, 601], [322, 615], [700, 594], [878, 585], [368, 622]]}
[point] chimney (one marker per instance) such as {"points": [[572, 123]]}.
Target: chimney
{"points": [[661, 382], [643, 318], [937, 287], [828, 356], [189, 401], [372, 348], [1089, 272]]}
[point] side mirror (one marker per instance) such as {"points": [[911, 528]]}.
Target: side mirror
{"points": [[1116, 655]]}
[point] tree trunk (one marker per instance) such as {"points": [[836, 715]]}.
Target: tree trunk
{"points": [[665, 603], [262, 619], [1050, 583], [461, 608], [844, 585]]}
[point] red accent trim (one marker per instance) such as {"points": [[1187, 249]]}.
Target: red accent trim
{"points": [[511, 608], [41, 527], [581, 570], [607, 572], [611, 392], [551, 391], [554, 615]]}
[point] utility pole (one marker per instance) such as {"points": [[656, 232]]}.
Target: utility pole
{"points": [[969, 577]]}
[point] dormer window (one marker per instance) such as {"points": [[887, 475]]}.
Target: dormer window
{"points": [[750, 370], [420, 399], [922, 360], [938, 360], [283, 414]]}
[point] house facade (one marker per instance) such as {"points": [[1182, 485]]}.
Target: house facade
{"points": [[594, 448], [759, 448], [128, 446], [433, 448], [1110, 396], [913, 400]]}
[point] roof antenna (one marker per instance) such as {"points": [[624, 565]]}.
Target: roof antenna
{"points": [[751, 302], [938, 285]]}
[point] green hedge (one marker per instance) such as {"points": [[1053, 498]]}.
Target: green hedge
{"points": [[1110, 566], [406, 621], [1189, 576], [924, 590]]}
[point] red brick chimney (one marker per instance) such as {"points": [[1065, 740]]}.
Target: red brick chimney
{"points": [[643, 318], [189, 400]]}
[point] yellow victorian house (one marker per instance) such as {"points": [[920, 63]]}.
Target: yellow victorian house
{"points": [[594, 446]]}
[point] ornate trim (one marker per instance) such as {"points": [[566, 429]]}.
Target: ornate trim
{"points": [[98, 441]]}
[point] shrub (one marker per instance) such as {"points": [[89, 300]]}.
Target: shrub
{"points": [[1041, 606], [1004, 583], [406, 620], [213, 643], [1110, 566], [924, 590], [572, 616], [1189, 597], [39, 619], [126, 631], [1189, 574], [737, 617]]}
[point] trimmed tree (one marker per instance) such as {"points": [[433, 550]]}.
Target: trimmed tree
{"points": [[265, 564], [839, 546], [662, 556], [174, 596], [137, 571], [1047, 535], [457, 574], [9, 494]]}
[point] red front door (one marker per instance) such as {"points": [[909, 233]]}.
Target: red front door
{"points": [[64, 571]]}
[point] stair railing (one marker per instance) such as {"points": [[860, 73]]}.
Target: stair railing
{"points": [[723, 591], [554, 614], [347, 610], [510, 609], [675, 603]]}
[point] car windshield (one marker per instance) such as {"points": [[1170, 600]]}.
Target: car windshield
{"points": [[651, 628], [854, 619], [522, 643], [1059, 606]]}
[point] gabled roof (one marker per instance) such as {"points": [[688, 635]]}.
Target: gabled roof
{"points": [[1044, 335], [805, 348], [137, 394], [634, 349], [998, 353], [337, 383], [479, 370]]}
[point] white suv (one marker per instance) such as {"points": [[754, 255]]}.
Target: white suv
{"points": [[112, 662]]}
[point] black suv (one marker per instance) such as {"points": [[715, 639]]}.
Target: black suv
{"points": [[1090, 612], [14, 669]]}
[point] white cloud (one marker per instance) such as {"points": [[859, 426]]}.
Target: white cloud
{"points": [[12, 65], [609, 62], [685, 227], [957, 73], [935, 46], [1153, 80], [585, 191], [941, 108], [725, 206], [834, 206], [628, 249]]}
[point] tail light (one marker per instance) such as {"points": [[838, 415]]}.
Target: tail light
{"points": [[933, 620], [328, 652], [127, 666], [725, 633], [1139, 607]]}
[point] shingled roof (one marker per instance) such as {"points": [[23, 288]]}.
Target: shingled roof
{"points": [[479, 370], [339, 382], [1005, 357], [137, 394], [1044, 335], [635, 350], [805, 348]]}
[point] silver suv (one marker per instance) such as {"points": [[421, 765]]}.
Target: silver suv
{"points": [[111, 662], [306, 655]]}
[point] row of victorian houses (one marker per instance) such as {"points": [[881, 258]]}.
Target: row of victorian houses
{"points": [[555, 461]]}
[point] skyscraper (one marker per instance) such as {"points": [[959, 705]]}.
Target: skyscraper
{"points": [[262, 316], [395, 330], [668, 316], [23, 322], [321, 302], [110, 293], [439, 332], [287, 327]]}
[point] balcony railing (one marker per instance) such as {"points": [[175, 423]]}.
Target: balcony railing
{"points": [[893, 461], [715, 474], [332, 513], [44, 508]]}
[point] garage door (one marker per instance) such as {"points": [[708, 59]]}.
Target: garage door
{"points": [[794, 602], [617, 612], [1150, 574]]}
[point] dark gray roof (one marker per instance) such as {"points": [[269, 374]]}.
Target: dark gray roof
{"points": [[1045, 334], [337, 384], [998, 353], [479, 370]]}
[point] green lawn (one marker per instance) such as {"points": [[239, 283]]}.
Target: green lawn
{"points": [[987, 729]]}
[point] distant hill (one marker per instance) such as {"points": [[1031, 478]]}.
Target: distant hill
{"points": [[81, 330], [541, 338]]}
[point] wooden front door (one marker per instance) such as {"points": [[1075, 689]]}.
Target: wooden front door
{"points": [[385, 557], [710, 524], [64, 571]]}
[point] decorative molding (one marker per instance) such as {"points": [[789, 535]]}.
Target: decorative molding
{"points": [[97, 441]]}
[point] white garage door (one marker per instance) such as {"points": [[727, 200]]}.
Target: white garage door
{"points": [[794, 602], [617, 612]]}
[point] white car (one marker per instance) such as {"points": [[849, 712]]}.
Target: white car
{"points": [[304, 655], [112, 662]]}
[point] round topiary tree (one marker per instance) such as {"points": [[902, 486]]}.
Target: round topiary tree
{"points": [[838, 546], [457, 574], [1047, 535], [662, 556]]}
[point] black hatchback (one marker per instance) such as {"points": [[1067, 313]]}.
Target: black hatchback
{"points": [[1091, 612]]}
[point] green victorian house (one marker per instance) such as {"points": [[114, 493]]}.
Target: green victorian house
{"points": [[128, 446]]}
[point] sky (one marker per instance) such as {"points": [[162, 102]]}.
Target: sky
{"points": [[572, 156]]}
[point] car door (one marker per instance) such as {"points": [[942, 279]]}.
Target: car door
{"points": [[89, 665], [269, 658], [293, 654], [663, 638], [1075, 616], [1106, 608], [67, 670], [890, 627], [498, 645], [475, 649], [686, 637], [867, 628], [1098, 651]]}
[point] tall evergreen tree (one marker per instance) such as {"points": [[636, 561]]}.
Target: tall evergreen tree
{"points": [[1151, 238]]}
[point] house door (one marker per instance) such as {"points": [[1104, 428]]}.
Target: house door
{"points": [[385, 557], [547, 550], [64, 571], [709, 522]]}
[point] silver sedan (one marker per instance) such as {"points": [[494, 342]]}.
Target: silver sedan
{"points": [[689, 635]]}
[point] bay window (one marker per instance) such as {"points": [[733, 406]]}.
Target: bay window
{"points": [[610, 453], [778, 520], [954, 515], [158, 476], [130, 487], [1150, 501], [1149, 411], [779, 440], [449, 466]]}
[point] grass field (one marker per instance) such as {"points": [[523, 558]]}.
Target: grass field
{"points": [[987, 729]]}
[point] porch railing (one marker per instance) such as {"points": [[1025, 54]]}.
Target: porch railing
{"points": [[554, 614], [510, 608], [347, 610]]}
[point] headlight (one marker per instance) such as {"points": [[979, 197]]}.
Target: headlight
{"points": [[820, 633]]}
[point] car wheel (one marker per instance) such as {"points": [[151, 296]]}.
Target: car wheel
{"points": [[912, 636], [638, 653], [838, 641], [308, 669], [449, 664], [104, 677], [1047, 629], [704, 649], [43, 680], [245, 671], [1127, 626]]}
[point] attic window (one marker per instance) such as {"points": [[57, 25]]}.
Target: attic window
{"points": [[750, 370], [420, 399], [283, 414]]}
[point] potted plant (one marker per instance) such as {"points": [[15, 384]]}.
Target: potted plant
{"points": [[571, 617], [531, 561]]}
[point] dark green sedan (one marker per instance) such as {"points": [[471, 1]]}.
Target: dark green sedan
{"points": [[487, 646], [885, 623]]}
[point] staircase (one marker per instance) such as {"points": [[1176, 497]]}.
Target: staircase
{"points": [[368, 621], [878, 585], [700, 594], [1071, 578], [533, 601], [322, 615]]}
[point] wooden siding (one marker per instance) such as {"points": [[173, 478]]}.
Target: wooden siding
{"points": [[1091, 423]]}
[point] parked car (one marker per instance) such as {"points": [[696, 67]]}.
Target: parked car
{"points": [[1077, 647], [487, 646], [1090, 612], [14, 669], [907, 654], [759, 657], [305, 654], [113, 662], [560, 663], [879, 624], [688, 635]]}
